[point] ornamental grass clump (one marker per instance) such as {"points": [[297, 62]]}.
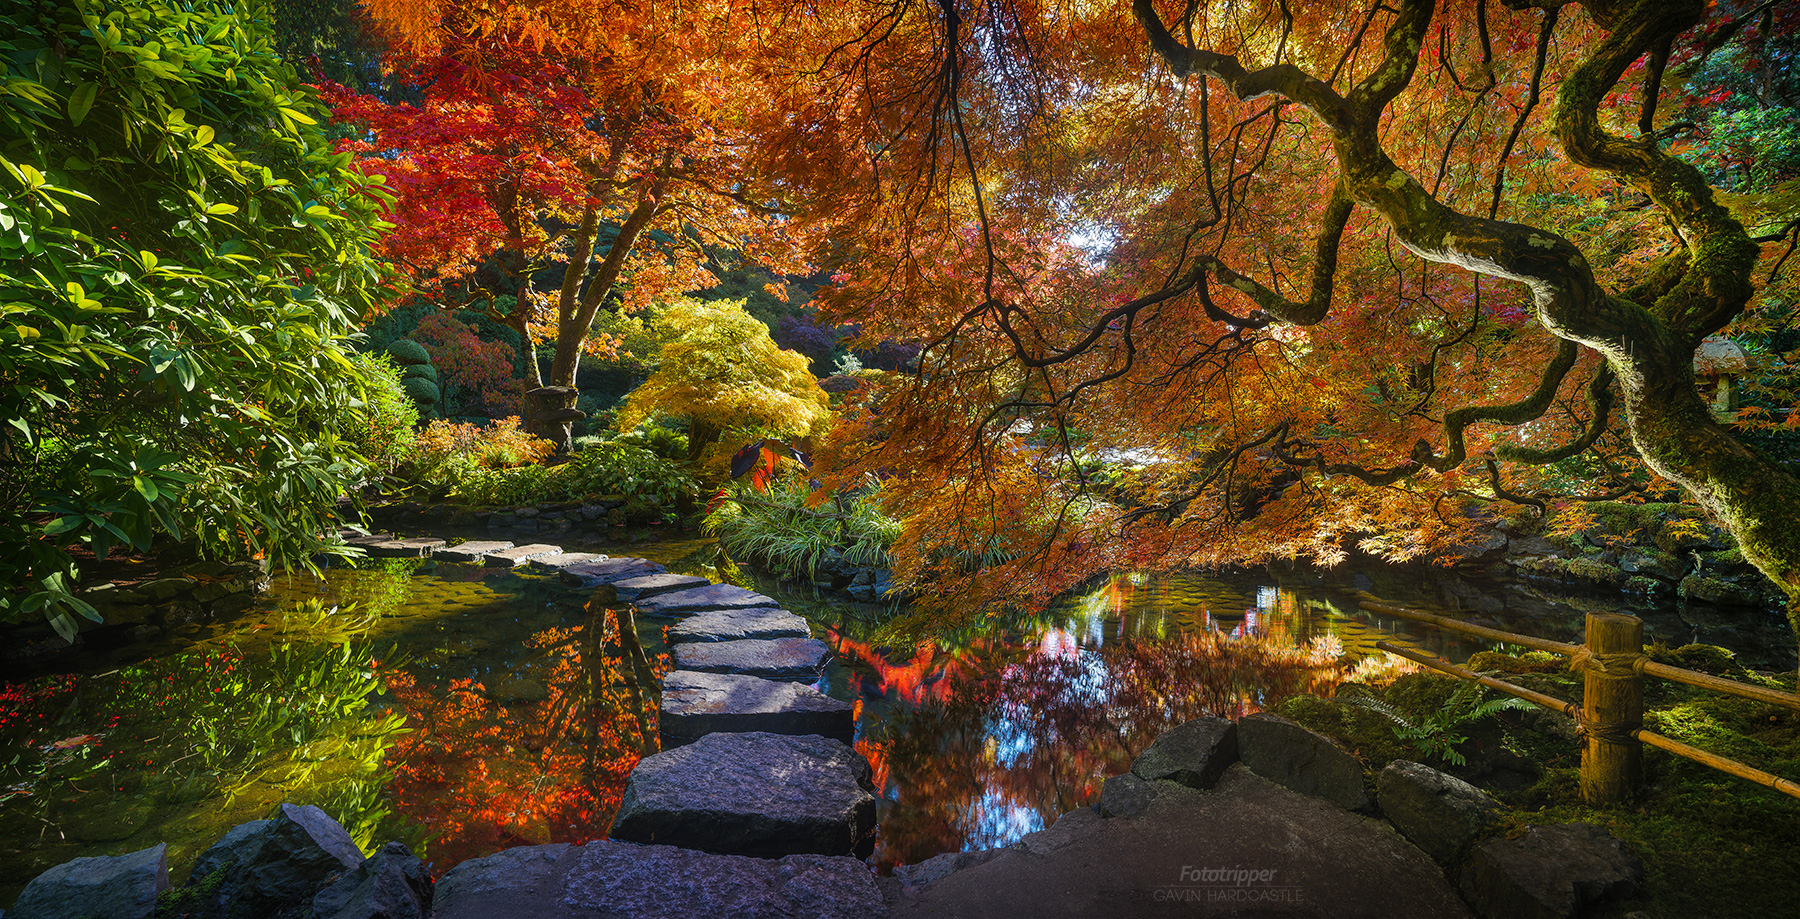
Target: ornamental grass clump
{"points": [[778, 529]]}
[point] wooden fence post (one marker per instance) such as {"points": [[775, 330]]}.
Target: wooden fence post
{"points": [[1612, 707]]}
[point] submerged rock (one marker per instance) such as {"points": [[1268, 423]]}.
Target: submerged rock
{"points": [[274, 867], [797, 659], [695, 704], [117, 887], [765, 795]]}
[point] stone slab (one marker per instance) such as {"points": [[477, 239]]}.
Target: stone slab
{"points": [[712, 596], [473, 550], [416, 547], [115, 887], [797, 659], [1310, 763], [565, 560], [651, 585], [519, 555], [622, 880], [607, 571], [757, 794], [370, 538], [695, 704], [735, 625]]}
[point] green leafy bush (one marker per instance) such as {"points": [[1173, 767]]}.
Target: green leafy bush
{"points": [[603, 470], [422, 391], [776, 528], [408, 352], [383, 420], [182, 259]]}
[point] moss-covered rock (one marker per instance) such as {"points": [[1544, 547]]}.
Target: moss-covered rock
{"points": [[1715, 590]]}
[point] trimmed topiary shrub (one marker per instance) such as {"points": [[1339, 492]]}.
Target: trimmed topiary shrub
{"points": [[421, 390], [407, 352], [421, 372]]}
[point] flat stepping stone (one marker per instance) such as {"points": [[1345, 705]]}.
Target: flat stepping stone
{"points": [[757, 794], [624, 880], [651, 585], [697, 704], [473, 550], [368, 539], [607, 571], [416, 547], [519, 555], [739, 624], [559, 562], [795, 659], [712, 596]]}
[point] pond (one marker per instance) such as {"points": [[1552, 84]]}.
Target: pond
{"points": [[463, 710]]}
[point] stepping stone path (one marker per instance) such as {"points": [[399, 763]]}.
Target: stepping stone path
{"points": [[795, 659], [473, 550], [766, 795], [756, 762], [652, 585], [696, 704], [700, 599], [519, 555], [734, 625], [607, 571]]}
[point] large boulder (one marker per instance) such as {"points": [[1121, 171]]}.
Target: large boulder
{"points": [[391, 884], [1288, 754], [663, 882], [1439, 813], [765, 795], [695, 704], [1194, 754], [711, 596], [273, 867], [117, 887], [623, 880], [1551, 872], [736, 625], [796, 659], [1125, 796]]}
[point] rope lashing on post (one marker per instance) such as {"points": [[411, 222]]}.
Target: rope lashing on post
{"points": [[1624, 665]]}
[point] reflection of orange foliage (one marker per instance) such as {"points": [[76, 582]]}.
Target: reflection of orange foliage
{"points": [[482, 776], [998, 744]]}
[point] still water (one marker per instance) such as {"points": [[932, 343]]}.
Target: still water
{"points": [[464, 710]]}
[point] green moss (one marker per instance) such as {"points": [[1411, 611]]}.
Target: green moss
{"points": [[1587, 569], [1530, 662]]}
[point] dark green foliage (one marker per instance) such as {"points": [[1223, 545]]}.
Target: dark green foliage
{"points": [[601, 470], [182, 260], [421, 390], [406, 352], [421, 372]]}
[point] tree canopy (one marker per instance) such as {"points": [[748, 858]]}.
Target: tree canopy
{"points": [[1309, 277]]}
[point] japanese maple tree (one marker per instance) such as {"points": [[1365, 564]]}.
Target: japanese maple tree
{"points": [[1304, 276], [599, 144]]}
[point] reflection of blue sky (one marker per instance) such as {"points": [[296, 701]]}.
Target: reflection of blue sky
{"points": [[998, 822]]}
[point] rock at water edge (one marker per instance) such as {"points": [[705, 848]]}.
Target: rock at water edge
{"points": [[117, 887], [473, 550], [269, 866], [695, 704], [606, 571], [1437, 812], [391, 884], [519, 555], [1288, 754], [519, 883], [1194, 754], [1125, 796], [764, 795]]}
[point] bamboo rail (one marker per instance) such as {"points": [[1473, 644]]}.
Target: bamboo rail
{"points": [[1612, 711]]}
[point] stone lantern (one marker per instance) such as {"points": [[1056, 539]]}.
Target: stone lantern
{"points": [[1718, 363]]}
